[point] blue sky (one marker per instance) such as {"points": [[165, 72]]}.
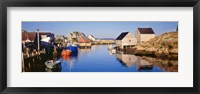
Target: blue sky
{"points": [[98, 29]]}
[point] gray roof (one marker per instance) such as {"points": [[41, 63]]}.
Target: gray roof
{"points": [[146, 30], [122, 35]]}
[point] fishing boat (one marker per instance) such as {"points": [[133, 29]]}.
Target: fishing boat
{"points": [[113, 51], [44, 43], [66, 53], [73, 48], [66, 57], [49, 64], [110, 47]]}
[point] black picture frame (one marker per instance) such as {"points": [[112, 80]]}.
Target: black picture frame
{"points": [[98, 3]]}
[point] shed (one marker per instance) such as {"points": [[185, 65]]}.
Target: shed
{"points": [[125, 40], [144, 34]]}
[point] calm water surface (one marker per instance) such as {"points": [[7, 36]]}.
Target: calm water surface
{"points": [[100, 59]]}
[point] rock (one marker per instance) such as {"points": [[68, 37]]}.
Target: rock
{"points": [[164, 46]]}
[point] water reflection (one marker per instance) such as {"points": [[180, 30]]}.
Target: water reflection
{"points": [[147, 64], [141, 65], [100, 59], [126, 59], [166, 65], [83, 52], [67, 62]]}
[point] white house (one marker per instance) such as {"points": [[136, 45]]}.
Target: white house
{"points": [[144, 34], [71, 36], [91, 37], [125, 40], [75, 35]]}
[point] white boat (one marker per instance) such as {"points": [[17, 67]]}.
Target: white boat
{"points": [[49, 64], [113, 51], [110, 47]]}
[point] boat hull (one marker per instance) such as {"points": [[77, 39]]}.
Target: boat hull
{"points": [[73, 49], [66, 53]]}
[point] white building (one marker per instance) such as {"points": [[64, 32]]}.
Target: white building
{"points": [[144, 34], [75, 35], [91, 37], [125, 40], [71, 36]]}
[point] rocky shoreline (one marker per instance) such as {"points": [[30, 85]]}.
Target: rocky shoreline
{"points": [[164, 46], [167, 64]]}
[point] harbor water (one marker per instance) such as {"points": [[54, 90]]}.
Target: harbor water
{"points": [[99, 59]]}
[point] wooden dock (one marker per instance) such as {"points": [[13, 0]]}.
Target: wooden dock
{"points": [[33, 53], [84, 45]]}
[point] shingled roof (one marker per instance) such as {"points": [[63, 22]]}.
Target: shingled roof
{"points": [[146, 30], [122, 35], [31, 35], [28, 35]]}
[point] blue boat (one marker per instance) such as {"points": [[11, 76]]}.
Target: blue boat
{"points": [[73, 48]]}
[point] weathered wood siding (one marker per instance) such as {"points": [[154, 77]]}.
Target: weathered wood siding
{"points": [[129, 39], [143, 37], [146, 37]]}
